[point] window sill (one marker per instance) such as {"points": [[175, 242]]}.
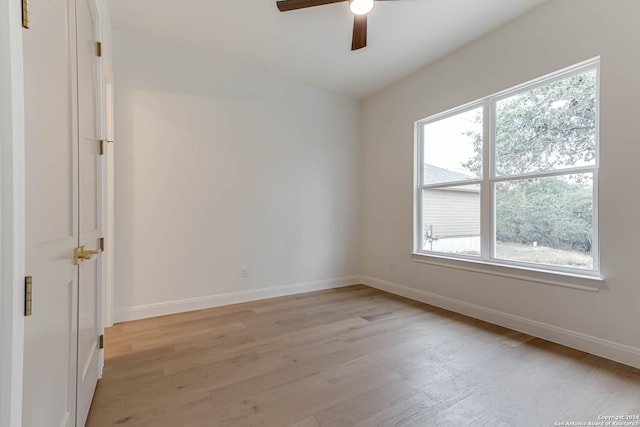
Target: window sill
{"points": [[556, 278]]}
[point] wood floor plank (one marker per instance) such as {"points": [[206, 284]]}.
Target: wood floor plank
{"points": [[346, 357]]}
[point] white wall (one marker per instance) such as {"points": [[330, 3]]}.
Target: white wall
{"points": [[555, 35], [218, 167]]}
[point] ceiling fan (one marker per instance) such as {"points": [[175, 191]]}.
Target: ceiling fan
{"points": [[359, 8]]}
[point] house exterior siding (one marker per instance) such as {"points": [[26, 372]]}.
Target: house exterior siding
{"points": [[452, 212]]}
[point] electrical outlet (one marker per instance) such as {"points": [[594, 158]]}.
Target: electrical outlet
{"points": [[244, 271], [390, 267]]}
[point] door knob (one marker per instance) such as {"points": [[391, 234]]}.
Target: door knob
{"points": [[82, 254]]}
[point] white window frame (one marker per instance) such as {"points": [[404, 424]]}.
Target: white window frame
{"points": [[490, 178]]}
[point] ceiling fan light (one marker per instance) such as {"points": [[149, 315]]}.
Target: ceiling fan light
{"points": [[361, 7]]}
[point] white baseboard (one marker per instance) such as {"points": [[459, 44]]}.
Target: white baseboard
{"points": [[180, 306], [590, 344]]}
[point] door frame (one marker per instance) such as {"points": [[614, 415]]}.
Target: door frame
{"points": [[12, 213], [101, 121], [109, 194]]}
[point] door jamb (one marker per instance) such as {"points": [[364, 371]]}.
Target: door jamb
{"points": [[100, 291], [12, 213], [109, 194]]}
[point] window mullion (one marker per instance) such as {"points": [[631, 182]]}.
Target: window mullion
{"points": [[595, 243], [546, 174], [485, 193], [419, 176], [451, 184]]}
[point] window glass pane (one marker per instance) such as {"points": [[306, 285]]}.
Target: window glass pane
{"points": [[546, 220], [547, 128], [453, 148], [451, 219]]}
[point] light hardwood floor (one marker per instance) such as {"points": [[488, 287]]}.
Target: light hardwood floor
{"points": [[354, 356]]}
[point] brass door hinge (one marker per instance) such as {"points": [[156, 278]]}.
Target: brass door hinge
{"points": [[28, 295], [101, 244], [25, 14], [102, 146], [99, 49], [101, 342]]}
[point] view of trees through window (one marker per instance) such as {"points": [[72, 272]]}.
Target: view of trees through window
{"points": [[544, 148]]}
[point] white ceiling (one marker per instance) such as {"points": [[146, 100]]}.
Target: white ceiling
{"points": [[313, 45]]}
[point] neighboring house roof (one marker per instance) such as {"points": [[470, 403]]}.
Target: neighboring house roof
{"points": [[436, 175]]}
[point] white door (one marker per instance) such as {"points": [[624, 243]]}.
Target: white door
{"points": [[90, 202], [63, 212], [50, 352]]}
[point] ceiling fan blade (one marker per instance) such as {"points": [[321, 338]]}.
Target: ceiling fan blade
{"points": [[359, 32], [286, 5]]}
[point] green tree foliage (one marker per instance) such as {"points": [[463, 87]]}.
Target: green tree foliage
{"points": [[546, 128], [555, 212]]}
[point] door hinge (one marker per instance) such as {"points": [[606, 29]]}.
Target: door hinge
{"points": [[25, 14], [102, 146], [28, 295], [101, 244], [99, 49], [101, 342]]}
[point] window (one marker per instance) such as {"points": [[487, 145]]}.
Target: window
{"points": [[512, 179]]}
